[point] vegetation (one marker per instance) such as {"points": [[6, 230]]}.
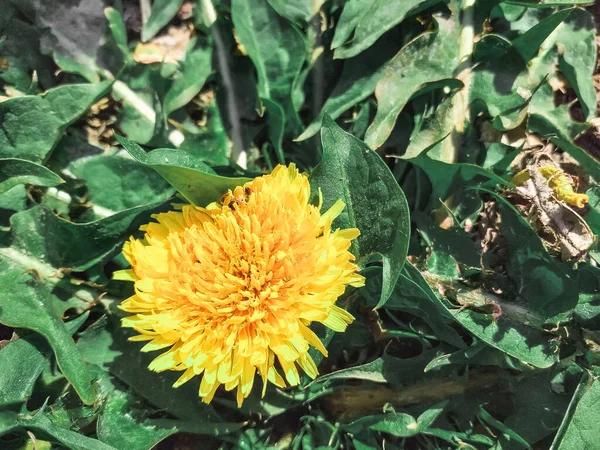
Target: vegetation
{"points": [[461, 135]]}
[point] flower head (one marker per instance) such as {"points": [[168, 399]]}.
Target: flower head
{"points": [[230, 289]]}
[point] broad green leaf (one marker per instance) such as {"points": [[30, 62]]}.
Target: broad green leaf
{"points": [[118, 427], [196, 69], [511, 333], [555, 123], [375, 204], [395, 424], [427, 418], [448, 178], [413, 295], [196, 181], [21, 53], [39, 234], [297, 11], [30, 126], [24, 359], [381, 16], [385, 369], [209, 143], [14, 171], [587, 311], [507, 433], [161, 13], [117, 183], [548, 3], [140, 89], [277, 50], [12, 201], [27, 303], [541, 282], [41, 422], [353, 12], [106, 344], [357, 81], [428, 58], [580, 425], [507, 83]]}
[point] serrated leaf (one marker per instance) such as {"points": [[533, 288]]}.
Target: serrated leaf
{"points": [[39, 234], [196, 181], [511, 333], [24, 359], [375, 204], [277, 50], [14, 171], [32, 125], [359, 77], [27, 303], [555, 123], [376, 18], [428, 58], [40, 422]]}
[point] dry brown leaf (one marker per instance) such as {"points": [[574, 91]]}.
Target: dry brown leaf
{"points": [[170, 47]]}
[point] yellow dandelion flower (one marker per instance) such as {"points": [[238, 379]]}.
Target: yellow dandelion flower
{"points": [[231, 288]]}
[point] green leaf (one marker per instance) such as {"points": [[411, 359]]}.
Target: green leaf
{"points": [[196, 181], [359, 77], [196, 69], [276, 126], [277, 50], [580, 425], [375, 204], [414, 296], [24, 359], [353, 12], [373, 22], [14, 171], [39, 234], [160, 15], [395, 424], [511, 333], [548, 3], [118, 427], [119, 30], [124, 426], [540, 281], [32, 125], [106, 344], [297, 11], [117, 183], [554, 122], [27, 303], [428, 58], [41, 422], [448, 178], [385, 369]]}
